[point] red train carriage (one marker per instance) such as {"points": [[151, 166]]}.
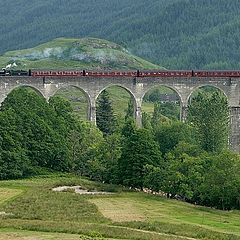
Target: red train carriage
{"points": [[110, 74], [83, 73], [166, 74], [56, 73], [216, 74]]}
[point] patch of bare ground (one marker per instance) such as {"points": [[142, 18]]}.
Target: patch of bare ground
{"points": [[79, 190]]}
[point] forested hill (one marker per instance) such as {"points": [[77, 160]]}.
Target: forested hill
{"points": [[177, 34]]}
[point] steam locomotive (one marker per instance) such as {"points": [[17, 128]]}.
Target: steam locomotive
{"points": [[138, 73]]}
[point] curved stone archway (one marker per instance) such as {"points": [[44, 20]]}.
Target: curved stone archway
{"points": [[137, 110], [82, 91], [168, 94], [146, 90], [8, 91], [207, 85]]}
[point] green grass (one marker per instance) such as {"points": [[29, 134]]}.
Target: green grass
{"points": [[7, 193], [39, 211], [11, 234]]}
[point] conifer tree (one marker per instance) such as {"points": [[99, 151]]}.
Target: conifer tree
{"points": [[106, 120]]}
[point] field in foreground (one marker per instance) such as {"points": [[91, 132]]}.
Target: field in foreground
{"points": [[29, 210]]}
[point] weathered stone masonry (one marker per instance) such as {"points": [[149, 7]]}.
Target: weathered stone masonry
{"points": [[137, 87]]}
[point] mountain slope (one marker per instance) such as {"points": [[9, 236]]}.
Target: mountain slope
{"points": [[178, 34], [86, 53]]}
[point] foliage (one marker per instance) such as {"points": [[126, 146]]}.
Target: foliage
{"points": [[209, 115], [130, 109], [14, 162], [221, 184], [184, 176], [139, 149], [146, 121], [106, 120], [168, 135], [153, 177]]}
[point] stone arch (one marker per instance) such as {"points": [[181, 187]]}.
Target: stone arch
{"points": [[180, 97], [163, 85], [116, 85], [123, 87], [207, 85], [136, 104], [38, 91], [85, 93]]}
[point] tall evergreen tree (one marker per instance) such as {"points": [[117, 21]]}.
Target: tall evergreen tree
{"points": [[130, 109], [106, 120]]}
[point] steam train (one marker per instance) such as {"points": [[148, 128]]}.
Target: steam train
{"points": [[138, 73]]}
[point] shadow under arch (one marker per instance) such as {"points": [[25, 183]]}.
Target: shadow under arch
{"points": [[132, 96], [86, 95], [178, 101], [195, 89]]}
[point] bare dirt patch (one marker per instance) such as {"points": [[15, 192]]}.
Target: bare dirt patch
{"points": [[79, 190]]}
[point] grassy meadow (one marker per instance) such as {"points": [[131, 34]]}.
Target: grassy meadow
{"points": [[29, 209]]}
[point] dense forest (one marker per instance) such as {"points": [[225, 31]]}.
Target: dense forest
{"points": [[177, 34]]}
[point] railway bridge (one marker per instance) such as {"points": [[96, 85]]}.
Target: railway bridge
{"points": [[137, 87]]}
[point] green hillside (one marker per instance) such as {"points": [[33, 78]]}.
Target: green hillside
{"points": [[33, 211], [85, 53], [177, 34]]}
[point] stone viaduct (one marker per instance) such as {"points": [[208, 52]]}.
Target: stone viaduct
{"points": [[137, 87]]}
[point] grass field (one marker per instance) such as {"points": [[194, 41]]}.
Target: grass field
{"points": [[7, 193], [39, 213]]}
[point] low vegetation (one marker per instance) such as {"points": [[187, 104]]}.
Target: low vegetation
{"points": [[41, 213], [70, 53]]}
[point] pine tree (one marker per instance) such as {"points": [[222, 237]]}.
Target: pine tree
{"points": [[106, 120], [130, 109]]}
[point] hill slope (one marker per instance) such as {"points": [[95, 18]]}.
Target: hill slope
{"points": [[86, 53], [178, 34]]}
